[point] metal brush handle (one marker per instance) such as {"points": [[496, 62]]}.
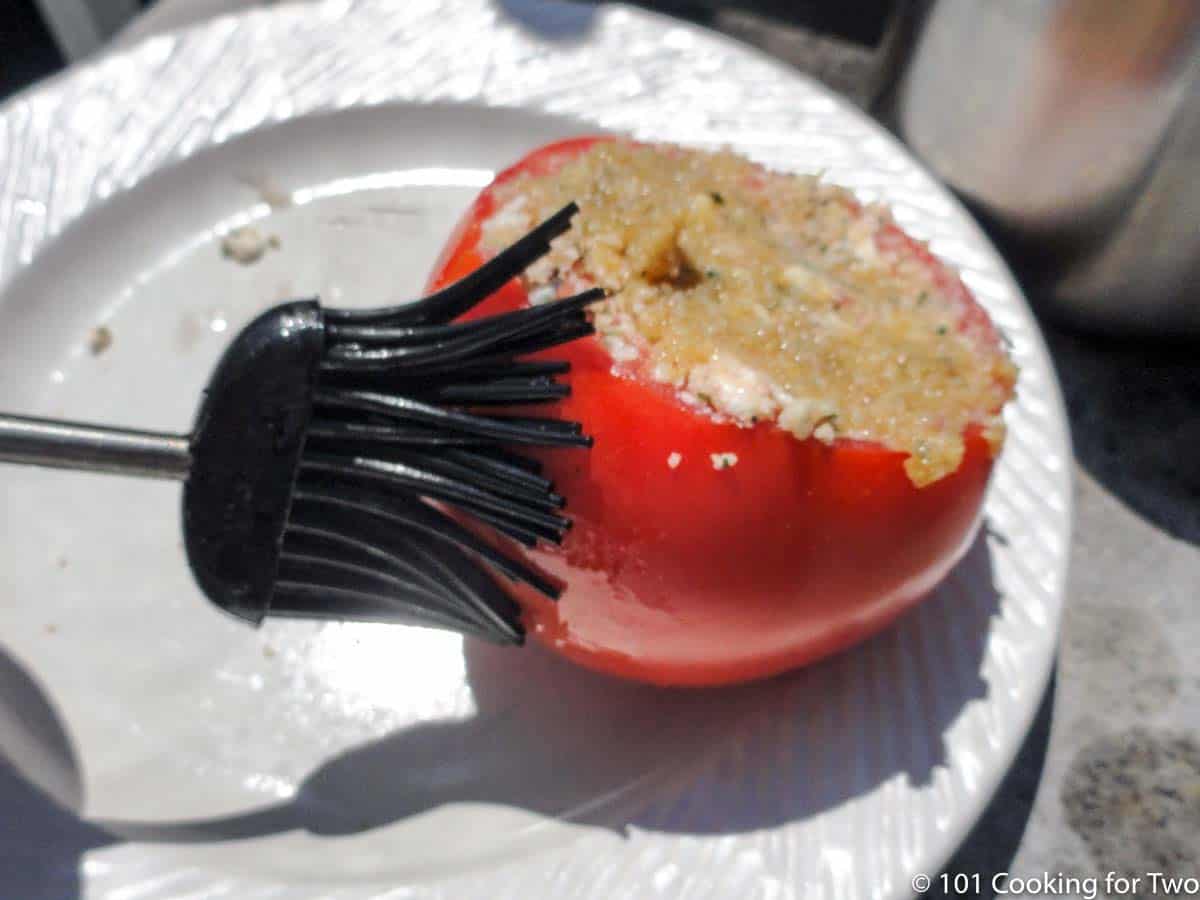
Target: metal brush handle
{"points": [[93, 448]]}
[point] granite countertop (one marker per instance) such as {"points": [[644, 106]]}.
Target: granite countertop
{"points": [[1109, 777]]}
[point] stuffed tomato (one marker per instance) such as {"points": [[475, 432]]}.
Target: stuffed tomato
{"points": [[796, 409]]}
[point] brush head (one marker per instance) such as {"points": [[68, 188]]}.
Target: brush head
{"points": [[347, 464], [246, 448]]}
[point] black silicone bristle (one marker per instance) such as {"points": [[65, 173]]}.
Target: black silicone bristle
{"points": [[464, 295], [406, 466], [366, 349]]}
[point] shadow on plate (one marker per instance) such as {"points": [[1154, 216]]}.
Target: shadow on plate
{"points": [[33, 737], [557, 740], [550, 20], [41, 841], [991, 845]]}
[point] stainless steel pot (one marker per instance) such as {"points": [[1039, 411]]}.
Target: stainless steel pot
{"points": [[1076, 124]]}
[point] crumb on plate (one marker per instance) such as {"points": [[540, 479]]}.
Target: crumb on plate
{"points": [[100, 339], [247, 245], [269, 191]]}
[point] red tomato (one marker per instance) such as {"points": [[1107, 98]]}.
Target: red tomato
{"points": [[692, 576]]}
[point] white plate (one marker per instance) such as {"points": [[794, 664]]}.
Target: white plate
{"points": [[384, 758]]}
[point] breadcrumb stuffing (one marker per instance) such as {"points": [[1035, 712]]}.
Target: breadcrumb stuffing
{"points": [[767, 297], [723, 460]]}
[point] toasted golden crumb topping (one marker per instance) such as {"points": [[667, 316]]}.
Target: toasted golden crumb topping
{"points": [[767, 297]]}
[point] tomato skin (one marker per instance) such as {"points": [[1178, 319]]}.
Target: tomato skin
{"points": [[697, 576]]}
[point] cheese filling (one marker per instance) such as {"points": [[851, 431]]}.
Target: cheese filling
{"points": [[766, 297]]}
